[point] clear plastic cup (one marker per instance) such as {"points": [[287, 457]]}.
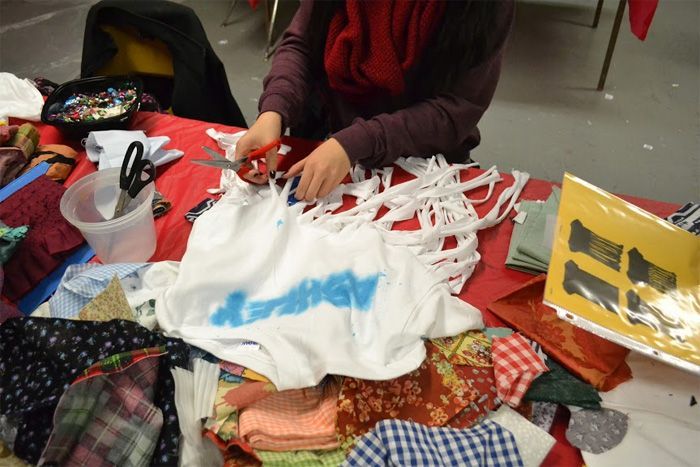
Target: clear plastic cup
{"points": [[89, 206]]}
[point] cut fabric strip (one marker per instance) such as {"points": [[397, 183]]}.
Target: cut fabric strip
{"points": [[515, 365], [436, 197], [201, 207], [398, 442]]}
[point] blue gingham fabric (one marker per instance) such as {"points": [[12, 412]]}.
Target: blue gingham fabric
{"points": [[402, 443], [83, 282]]}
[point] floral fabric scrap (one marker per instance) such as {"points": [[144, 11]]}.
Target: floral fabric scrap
{"points": [[438, 393]]}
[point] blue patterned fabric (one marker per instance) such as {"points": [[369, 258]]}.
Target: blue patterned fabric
{"points": [[402, 443], [83, 282]]}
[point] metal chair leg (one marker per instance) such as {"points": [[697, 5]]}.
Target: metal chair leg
{"points": [[225, 22], [611, 44], [598, 11], [271, 27]]}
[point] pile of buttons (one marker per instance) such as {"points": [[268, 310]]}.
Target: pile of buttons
{"points": [[90, 106]]}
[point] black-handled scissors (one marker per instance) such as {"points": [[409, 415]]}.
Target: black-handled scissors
{"points": [[131, 179]]}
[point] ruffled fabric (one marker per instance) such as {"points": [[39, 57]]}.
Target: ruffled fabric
{"points": [[51, 239]]}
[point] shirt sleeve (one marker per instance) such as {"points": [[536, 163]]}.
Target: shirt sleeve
{"points": [[287, 85], [436, 125]]}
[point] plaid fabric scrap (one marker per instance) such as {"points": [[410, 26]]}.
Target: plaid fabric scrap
{"points": [[108, 419], [516, 365], [399, 442], [299, 419]]}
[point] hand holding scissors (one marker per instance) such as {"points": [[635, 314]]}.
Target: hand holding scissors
{"points": [[131, 179], [222, 163]]}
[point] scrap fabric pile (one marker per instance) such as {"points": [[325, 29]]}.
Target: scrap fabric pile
{"points": [[20, 151], [90, 106], [35, 239], [299, 335]]}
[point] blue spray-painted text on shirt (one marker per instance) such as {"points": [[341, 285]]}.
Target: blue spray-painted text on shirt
{"points": [[342, 290]]}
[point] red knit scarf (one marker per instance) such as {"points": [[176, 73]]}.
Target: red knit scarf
{"points": [[371, 44]]}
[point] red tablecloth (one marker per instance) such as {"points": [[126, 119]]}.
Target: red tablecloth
{"points": [[185, 185]]}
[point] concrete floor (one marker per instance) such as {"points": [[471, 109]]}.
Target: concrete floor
{"points": [[641, 136]]}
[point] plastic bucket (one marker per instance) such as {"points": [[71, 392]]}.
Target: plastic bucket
{"points": [[89, 206]]}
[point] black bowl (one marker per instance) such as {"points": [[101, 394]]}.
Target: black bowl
{"points": [[78, 130]]}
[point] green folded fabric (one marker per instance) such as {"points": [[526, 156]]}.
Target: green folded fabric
{"points": [[302, 458], [530, 248], [518, 261], [560, 386], [10, 238], [536, 242]]}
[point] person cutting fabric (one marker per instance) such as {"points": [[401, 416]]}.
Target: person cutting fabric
{"points": [[381, 79]]}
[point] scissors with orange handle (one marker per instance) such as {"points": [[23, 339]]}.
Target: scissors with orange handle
{"points": [[219, 161]]}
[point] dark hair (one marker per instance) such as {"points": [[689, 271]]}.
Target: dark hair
{"points": [[463, 39]]}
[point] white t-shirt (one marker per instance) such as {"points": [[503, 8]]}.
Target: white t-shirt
{"points": [[295, 302]]}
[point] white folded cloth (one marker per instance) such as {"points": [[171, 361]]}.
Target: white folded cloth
{"points": [[108, 148]]}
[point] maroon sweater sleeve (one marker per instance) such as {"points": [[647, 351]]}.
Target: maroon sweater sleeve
{"points": [[434, 125], [287, 85], [439, 124]]}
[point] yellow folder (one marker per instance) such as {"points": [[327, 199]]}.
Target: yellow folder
{"points": [[626, 275]]}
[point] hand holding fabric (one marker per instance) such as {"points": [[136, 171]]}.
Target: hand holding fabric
{"points": [[323, 170], [267, 128]]}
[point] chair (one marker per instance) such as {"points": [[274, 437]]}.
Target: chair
{"points": [[270, 17], [165, 44], [613, 38]]}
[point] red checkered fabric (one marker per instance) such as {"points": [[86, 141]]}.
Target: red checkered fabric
{"points": [[515, 365]]}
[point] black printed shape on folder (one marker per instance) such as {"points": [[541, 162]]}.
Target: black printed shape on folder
{"points": [[595, 290], [640, 312], [588, 242], [640, 270]]}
